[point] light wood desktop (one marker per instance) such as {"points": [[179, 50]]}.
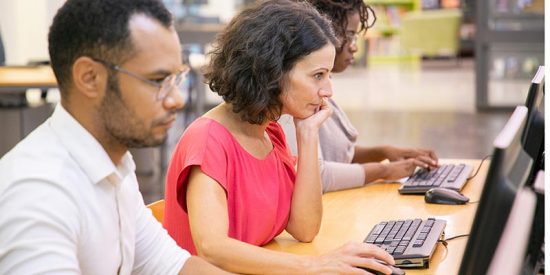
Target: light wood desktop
{"points": [[21, 78], [349, 215], [16, 113]]}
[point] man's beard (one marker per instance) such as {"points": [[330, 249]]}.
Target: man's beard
{"points": [[121, 123]]}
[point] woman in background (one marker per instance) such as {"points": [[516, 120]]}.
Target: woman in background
{"points": [[232, 184], [344, 164]]}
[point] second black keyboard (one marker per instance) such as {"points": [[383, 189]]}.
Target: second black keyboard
{"points": [[452, 176]]}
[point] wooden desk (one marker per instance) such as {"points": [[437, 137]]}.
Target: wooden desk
{"points": [[21, 78], [15, 112], [350, 215]]}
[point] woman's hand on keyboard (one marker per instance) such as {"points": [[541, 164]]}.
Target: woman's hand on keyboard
{"points": [[402, 168], [349, 258], [427, 157]]}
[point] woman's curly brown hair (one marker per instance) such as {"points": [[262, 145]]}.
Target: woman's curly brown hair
{"points": [[338, 10], [256, 51]]}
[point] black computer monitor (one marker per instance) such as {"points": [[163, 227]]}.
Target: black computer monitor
{"points": [[508, 171], [535, 94], [512, 247], [533, 135], [534, 256]]}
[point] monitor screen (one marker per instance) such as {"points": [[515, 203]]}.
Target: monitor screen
{"points": [[533, 136], [534, 256], [508, 171], [511, 249], [535, 94]]}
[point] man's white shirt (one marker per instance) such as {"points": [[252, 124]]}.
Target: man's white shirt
{"points": [[66, 208]]}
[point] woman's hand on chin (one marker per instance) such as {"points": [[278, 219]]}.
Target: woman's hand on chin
{"points": [[316, 119]]}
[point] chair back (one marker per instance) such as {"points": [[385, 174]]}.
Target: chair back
{"points": [[158, 210]]}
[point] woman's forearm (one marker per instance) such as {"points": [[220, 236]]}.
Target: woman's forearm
{"points": [[364, 154], [240, 257], [306, 208]]}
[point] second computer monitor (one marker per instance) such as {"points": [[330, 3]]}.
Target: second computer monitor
{"points": [[533, 135], [512, 247], [508, 171]]}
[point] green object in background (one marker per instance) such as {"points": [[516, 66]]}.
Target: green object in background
{"points": [[431, 33]]}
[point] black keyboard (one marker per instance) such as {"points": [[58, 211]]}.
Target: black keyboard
{"points": [[410, 242], [452, 176]]}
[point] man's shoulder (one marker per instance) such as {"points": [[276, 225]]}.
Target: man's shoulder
{"points": [[40, 155]]}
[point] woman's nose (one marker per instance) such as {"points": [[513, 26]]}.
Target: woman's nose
{"points": [[353, 47], [326, 91]]}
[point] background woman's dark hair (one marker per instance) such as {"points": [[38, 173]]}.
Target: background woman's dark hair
{"points": [[96, 28], [258, 48], [338, 10]]}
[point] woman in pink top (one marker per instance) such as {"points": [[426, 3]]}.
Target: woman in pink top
{"points": [[232, 184]]}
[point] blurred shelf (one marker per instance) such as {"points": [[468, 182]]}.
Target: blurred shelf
{"points": [[387, 30], [386, 59], [387, 27]]}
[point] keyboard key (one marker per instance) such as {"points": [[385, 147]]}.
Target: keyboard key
{"points": [[401, 232], [378, 228], [422, 236], [418, 243], [400, 249], [371, 238], [458, 169]]}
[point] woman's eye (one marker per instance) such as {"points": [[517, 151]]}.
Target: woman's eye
{"points": [[318, 76], [158, 80]]}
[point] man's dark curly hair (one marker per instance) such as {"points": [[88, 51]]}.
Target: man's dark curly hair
{"points": [[96, 28], [338, 10], [257, 50]]}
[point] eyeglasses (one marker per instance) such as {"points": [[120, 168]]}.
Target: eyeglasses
{"points": [[164, 85], [351, 38]]}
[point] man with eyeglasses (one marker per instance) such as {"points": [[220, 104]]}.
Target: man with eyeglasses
{"points": [[69, 198]]}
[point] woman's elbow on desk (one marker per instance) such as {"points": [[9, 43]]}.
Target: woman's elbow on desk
{"points": [[303, 233], [304, 239]]}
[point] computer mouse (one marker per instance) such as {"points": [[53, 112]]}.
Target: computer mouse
{"points": [[441, 195], [394, 270]]}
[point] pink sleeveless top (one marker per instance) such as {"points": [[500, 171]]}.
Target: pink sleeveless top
{"points": [[259, 192]]}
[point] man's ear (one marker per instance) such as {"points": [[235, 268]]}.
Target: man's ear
{"points": [[89, 77]]}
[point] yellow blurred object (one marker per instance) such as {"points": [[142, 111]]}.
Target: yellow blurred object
{"points": [[431, 33], [158, 210]]}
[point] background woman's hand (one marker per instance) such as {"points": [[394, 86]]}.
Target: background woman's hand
{"points": [[425, 158], [402, 168]]}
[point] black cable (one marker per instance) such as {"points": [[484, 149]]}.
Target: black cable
{"points": [[445, 241], [479, 167], [446, 250], [457, 236]]}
